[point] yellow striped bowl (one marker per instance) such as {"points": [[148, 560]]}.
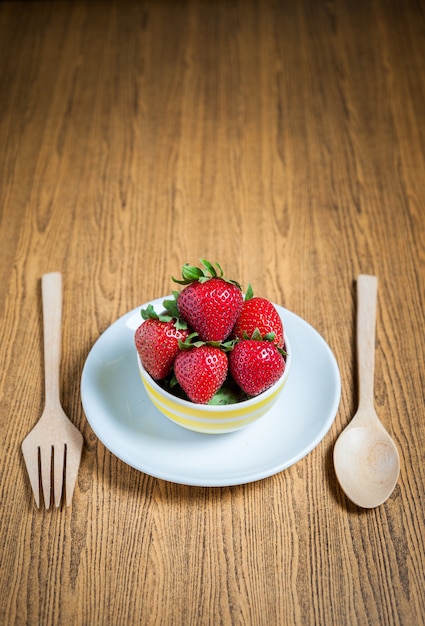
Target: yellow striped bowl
{"points": [[213, 419]]}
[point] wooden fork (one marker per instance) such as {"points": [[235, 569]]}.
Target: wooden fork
{"points": [[52, 450]]}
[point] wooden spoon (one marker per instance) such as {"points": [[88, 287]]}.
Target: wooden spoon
{"points": [[366, 459]]}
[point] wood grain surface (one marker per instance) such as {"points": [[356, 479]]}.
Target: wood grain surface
{"points": [[285, 140]]}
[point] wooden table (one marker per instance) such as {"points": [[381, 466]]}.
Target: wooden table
{"points": [[284, 140]]}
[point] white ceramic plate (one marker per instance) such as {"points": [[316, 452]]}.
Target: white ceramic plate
{"points": [[127, 423]]}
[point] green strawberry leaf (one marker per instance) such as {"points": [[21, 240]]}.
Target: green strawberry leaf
{"points": [[171, 307], [223, 396], [209, 267], [228, 346], [174, 313], [232, 282], [149, 313], [229, 393], [256, 335], [165, 318], [173, 381], [171, 385], [214, 344], [190, 342], [190, 274], [220, 270], [249, 293], [180, 324]]}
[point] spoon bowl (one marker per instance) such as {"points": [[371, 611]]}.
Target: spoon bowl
{"points": [[366, 458], [367, 465]]}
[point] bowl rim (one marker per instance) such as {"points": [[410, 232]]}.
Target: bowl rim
{"points": [[221, 408]]}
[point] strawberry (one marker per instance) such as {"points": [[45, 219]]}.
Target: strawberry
{"points": [[209, 303], [201, 371], [259, 313], [157, 342], [256, 365]]}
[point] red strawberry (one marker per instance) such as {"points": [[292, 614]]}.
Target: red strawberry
{"points": [[209, 303], [259, 313], [256, 365], [157, 343], [201, 372]]}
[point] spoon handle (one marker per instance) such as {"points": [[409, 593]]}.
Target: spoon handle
{"points": [[367, 293]]}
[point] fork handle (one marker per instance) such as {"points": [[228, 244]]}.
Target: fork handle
{"points": [[51, 287]]}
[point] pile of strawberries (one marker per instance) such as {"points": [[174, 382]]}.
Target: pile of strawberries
{"points": [[210, 336]]}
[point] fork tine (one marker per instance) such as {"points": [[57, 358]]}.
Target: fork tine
{"points": [[58, 468], [46, 470], [30, 453], [72, 465]]}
